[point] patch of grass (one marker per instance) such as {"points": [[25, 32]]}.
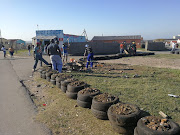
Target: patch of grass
{"points": [[167, 56], [23, 52], [149, 91]]}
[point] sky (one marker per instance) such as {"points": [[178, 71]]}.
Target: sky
{"points": [[151, 19]]}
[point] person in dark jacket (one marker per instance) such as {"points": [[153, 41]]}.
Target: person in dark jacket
{"points": [[89, 53], [38, 56], [54, 52]]}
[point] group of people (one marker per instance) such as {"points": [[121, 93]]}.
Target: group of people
{"points": [[11, 51], [174, 46], [54, 51], [130, 47]]}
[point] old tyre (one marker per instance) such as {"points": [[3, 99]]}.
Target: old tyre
{"points": [[58, 84], [99, 114], [83, 104], [71, 95], [135, 131], [53, 76], [142, 129], [48, 78], [43, 76], [87, 97], [63, 88], [59, 79], [123, 130], [48, 74], [53, 82], [177, 52], [74, 88], [124, 120], [103, 106]]}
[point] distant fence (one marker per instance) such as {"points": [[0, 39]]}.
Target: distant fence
{"points": [[98, 48]]}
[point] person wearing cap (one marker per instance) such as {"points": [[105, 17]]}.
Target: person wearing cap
{"points": [[38, 56], [89, 53], [54, 52]]}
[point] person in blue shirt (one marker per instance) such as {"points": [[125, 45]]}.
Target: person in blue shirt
{"points": [[38, 56], [65, 52], [89, 53]]}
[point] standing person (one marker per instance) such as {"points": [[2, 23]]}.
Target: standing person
{"points": [[122, 48], [38, 56], [55, 55], [11, 51], [89, 53], [173, 47], [134, 47], [29, 50], [65, 52], [4, 50]]}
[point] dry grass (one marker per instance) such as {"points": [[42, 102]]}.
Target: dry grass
{"points": [[149, 91]]}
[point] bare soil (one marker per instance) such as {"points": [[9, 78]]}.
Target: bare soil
{"points": [[77, 83], [147, 61], [89, 90], [123, 109], [157, 123], [105, 97]]}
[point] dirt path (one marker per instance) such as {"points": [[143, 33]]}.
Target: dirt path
{"points": [[147, 61]]}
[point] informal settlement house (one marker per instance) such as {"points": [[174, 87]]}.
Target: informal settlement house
{"points": [[119, 39], [16, 43], [46, 35]]}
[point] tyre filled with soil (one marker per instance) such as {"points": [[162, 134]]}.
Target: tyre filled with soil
{"points": [[64, 84], [48, 75], [85, 97], [124, 117], [43, 74], [152, 125], [75, 87], [101, 103], [61, 77]]}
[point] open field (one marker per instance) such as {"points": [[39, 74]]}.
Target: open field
{"points": [[147, 87]]}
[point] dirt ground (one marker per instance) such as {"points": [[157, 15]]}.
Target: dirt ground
{"points": [[147, 61]]}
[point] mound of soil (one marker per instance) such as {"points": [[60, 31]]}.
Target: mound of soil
{"points": [[77, 83], [157, 123], [89, 90], [123, 109], [71, 79], [105, 97], [65, 76]]}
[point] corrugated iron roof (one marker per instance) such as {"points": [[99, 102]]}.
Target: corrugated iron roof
{"points": [[116, 37]]}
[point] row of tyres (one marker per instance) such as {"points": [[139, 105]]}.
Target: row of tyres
{"points": [[114, 110]]}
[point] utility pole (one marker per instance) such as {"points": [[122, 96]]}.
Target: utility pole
{"points": [[85, 34]]}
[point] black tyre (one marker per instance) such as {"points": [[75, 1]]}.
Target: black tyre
{"points": [[124, 120], [87, 97], [99, 114], [48, 78], [103, 106], [63, 89], [71, 95], [53, 82], [123, 130], [48, 74], [142, 129], [43, 76], [53, 76], [75, 88], [58, 84], [135, 131], [177, 52], [83, 104]]}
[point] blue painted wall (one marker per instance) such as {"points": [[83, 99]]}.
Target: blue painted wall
{"points": [[73, 38], [21, 42]]}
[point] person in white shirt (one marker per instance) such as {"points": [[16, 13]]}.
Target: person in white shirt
{"points": [[173, 47], [4, 50]]}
